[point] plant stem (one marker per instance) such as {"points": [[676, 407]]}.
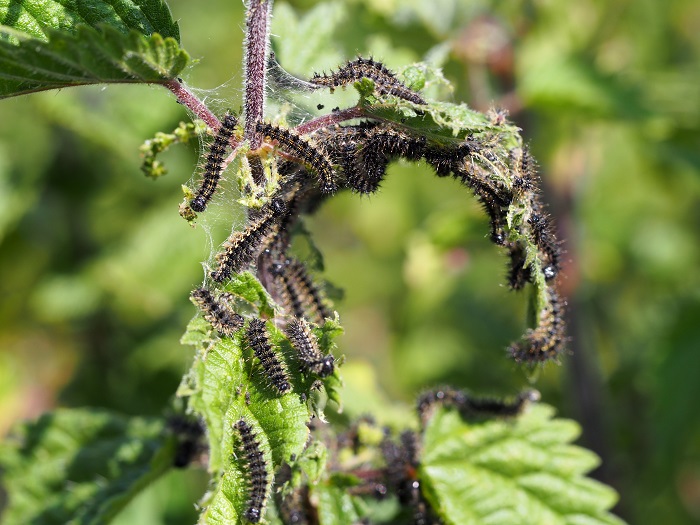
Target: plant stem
{"points": [[256, 46], [335, 117], [190, 101]]}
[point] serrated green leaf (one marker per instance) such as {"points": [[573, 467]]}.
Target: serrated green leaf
{"points": [[517, 471], [81, 466], [226, 384], [50, 45]]}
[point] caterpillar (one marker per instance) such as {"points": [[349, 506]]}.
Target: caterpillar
{"points": [[524, 171], [221, 317], [363, 152], [493, 197], [442, 159], [257, 468], [547, 244], [495, 407], [304, 342], [469, 406], [301, 289], [518, 273], [343, 144], [447, 397], [214, 164], [545, 341], [312, 155], [290, 300], [294, 507], [381, 145], [274, 369], [524, 186], [402, 476], [189, 434], [394, 143], [385, 82], [242, 247]]}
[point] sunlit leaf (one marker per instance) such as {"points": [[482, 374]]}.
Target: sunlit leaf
{"points": [[512, 471], [86, 43]]}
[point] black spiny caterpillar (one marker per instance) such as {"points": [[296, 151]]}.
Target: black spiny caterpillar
{"points": [[257, 470], [218, 313], [274, 369], [546, 340], [303, 291], [385, 82], [312, 155], [304, 342], [469, 406], [241, 248], [381, 145], [214, 164]]}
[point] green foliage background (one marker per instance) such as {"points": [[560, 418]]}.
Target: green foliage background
{"points": [[97, 264]]}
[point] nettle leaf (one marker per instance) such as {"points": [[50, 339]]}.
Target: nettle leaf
{"points": [[512, 471], [81, 466], [49, 44], [227, 383]]}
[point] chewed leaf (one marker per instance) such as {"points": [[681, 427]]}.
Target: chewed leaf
{"points": [[93, 43], [81, 466], [512, 471], [225, 385]]}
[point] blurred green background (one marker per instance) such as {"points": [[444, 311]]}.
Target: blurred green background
{"points": [[97, 265]]}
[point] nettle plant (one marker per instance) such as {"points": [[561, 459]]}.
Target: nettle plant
{"points": [[252, 408]]}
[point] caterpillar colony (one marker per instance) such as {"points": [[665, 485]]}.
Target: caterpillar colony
{"points": [[314, 161]]}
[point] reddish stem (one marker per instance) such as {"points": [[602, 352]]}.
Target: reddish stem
{"points": [[335, 117], [190, 101], [257, 33]]}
